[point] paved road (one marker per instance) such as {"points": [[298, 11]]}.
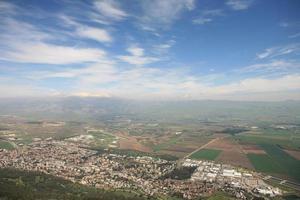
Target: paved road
{"points": [[287, 183]]}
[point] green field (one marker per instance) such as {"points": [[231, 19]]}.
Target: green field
{"points": [[287, 162], [206, 154], [102, 139], [265, 163], [276, 161], [6, 145], [262, 139], [173, 140]]}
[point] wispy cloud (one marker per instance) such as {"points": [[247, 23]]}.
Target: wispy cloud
{"points": [[84, 31], [51, 54], [239, 4], [100, 35], [295, 35], [274, 67], [202, 20], [208, 16], [137, 57], [110, 10], [153, 83], [7, 8], [161, 14], [213, 12], [24, 42], [87, 68], [279, 51], [163, 48], [288, 24]]}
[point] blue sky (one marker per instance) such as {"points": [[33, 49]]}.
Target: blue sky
{"points": [[151, 49]]}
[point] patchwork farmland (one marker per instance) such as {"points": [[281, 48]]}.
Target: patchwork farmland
{"points": [[206, 154]]}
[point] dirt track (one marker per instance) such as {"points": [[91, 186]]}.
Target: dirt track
{"points": [[204, 146]]}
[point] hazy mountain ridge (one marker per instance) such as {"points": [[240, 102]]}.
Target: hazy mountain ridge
{"points": [[77, 108]]}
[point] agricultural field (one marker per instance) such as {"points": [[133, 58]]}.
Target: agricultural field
{"points": [[268, 148], [287, 162], [22, 132], [184, 142], [293, 153], [289, 139], [171, 141], [129, 142], [277, 153], [232, 152], [6, 145], [265, 163], [206, 154]]}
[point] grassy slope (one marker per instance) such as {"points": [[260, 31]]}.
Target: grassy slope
{"points": [[16, 184]]}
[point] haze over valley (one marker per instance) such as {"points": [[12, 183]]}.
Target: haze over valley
{"points": [[150, 99]]}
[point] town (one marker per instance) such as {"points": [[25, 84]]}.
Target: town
{"points": [[78, 163]]}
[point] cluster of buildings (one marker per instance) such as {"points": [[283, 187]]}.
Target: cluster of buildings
{"points": [[228, 176], [77, 163]]}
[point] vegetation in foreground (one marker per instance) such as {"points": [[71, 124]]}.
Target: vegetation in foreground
{"points": [[16, 184]]}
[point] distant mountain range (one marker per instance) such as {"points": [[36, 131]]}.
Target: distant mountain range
{"points": [[92, 108]]}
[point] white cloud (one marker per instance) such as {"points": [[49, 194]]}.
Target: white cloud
{"points": [[97, 34], [91, 94], [202, 20], [239, 4], [25, 43], [7, 8], [12, 30], [161, 14], [110, 9], [295, 35], [207, 16], [279, 51], [93, 33], [213, 12], [137, 57], [273, 65], [285, 24], [253, 85], [109, 79], [161, 49], [136, 51], [52, 54]]}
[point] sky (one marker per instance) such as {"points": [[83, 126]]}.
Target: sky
{"points": [[151, 49]]}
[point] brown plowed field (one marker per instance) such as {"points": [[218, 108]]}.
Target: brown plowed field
{"points": [[248, 148], [130, 142], [293, 153]]}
